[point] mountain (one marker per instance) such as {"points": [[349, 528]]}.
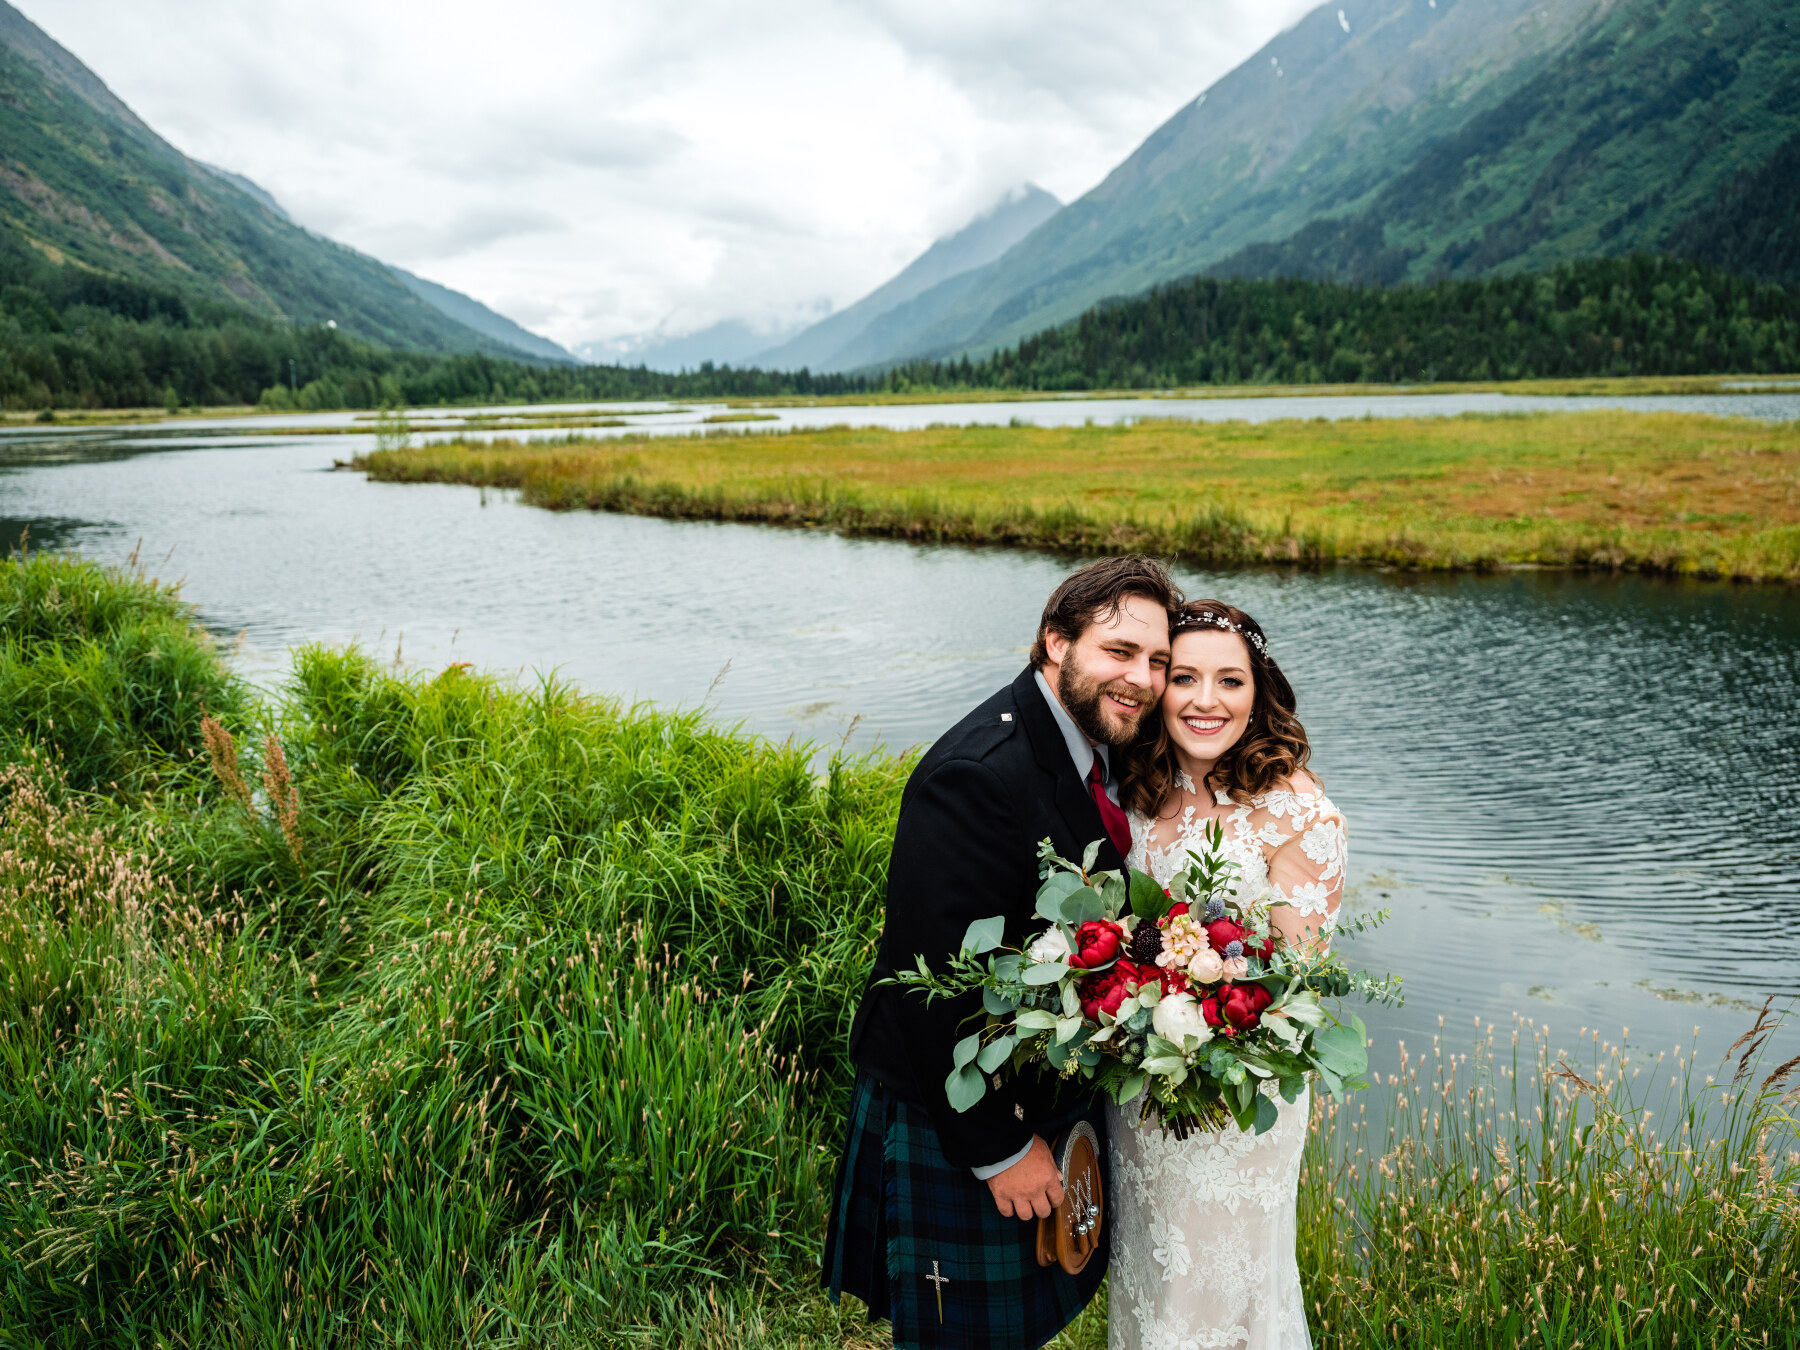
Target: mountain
{"points": [[1393, 139], [1668, 126], [890, 316], [89, 189], [471, 313], [732, 342]]}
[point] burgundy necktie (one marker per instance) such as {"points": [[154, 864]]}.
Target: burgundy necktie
{"points": [[1118, 829]]}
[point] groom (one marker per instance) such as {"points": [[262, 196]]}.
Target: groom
{"points": [[934, 1220]]}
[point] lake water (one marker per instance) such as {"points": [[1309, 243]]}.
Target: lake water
{"points": [[1580, 796]]}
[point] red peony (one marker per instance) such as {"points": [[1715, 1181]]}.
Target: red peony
{"points": [[1241, 1005], [1223, 932], [1209, 1009], [1173, 981], [1105, 991], [1177, 910], [1096, 942]]}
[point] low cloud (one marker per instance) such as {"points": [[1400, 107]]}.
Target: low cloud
{"points": [[601, 170]]}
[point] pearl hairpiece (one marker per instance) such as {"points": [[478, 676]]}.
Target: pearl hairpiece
{"points": [[1208, 619]]}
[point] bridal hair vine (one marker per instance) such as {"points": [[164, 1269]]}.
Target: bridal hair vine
{"points": [[1208, 619]]}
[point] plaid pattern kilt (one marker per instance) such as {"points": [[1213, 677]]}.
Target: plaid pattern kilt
{"points": [[902, 1213]]}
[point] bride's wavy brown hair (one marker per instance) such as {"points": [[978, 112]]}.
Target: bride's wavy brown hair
{"points": [[1272, 748]]}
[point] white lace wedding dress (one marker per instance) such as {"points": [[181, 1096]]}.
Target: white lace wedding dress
{"points": [[1203, 1230]]}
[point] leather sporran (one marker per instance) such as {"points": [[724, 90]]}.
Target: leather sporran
{"points": [[1069, 1237]]}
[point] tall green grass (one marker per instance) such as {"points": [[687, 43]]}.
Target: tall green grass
{"points": [[536, 1036], [1508, 1196], [526, 1027]]}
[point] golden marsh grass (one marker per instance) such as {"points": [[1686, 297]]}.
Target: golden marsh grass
{"points": [[1659, 492]]}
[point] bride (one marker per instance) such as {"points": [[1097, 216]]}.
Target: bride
{"points": [[1204, 1230]]}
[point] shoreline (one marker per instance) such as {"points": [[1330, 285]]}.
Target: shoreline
{"points": [[1657, 493], [1620, 386]]}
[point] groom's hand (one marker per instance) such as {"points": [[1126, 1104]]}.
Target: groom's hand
{"points": [[1031, 1187]]}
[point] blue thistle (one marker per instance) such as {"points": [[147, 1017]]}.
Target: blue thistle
{"points": [[1233, 950], [1215, 910]]}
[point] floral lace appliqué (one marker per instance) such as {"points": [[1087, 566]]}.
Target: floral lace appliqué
{"points": [[1204, 1229]]}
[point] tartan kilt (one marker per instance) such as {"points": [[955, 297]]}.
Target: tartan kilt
{"points": [[902, 1213]]}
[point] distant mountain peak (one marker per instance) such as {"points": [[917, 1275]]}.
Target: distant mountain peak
{"points": [[839, 341]]}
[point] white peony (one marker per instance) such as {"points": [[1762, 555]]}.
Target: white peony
{"points": [[1179, 1016], [1049, 945]]}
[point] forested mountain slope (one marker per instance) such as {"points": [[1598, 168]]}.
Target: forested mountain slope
{"points": [[891, 316], [93, 194], [1671, 125]]}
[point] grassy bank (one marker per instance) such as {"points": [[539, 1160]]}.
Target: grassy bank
{"points": [[1655, 492], [426, 1010]]}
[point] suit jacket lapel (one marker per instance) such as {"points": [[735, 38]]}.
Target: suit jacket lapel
{"points": [[1073, 801]]}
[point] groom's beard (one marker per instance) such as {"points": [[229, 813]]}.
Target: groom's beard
{"points": [[1081, 696]]}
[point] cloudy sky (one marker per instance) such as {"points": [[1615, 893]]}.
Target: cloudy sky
{"points": [[598, 170]]}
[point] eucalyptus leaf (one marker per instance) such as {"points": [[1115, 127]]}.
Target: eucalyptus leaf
{"points": [[1266, 1115], [996, 1003], [1090, 855], [1164, 1064], [1282, 1029], [1056, 1055], [996, 1053], [1066, 1029], [1115, 894], [1342, 1049], [1083, 906], [1303, 1006], [1051, 894], [984, 935], [1045, 972], [1130, 1088], [965, 1087], [1035, 1019], [1007, 966], [1071, 1000], [966, 1050]]}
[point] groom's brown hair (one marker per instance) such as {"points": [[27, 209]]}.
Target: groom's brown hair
{"points": [[1096, 592]]}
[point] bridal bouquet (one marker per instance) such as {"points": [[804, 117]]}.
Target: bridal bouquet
{"points": [[1176, 995]]}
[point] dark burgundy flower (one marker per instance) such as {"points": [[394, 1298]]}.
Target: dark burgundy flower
{"points": [[1146, 944]]}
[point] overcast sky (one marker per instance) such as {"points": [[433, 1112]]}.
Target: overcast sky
{"points": [[597, 170]]}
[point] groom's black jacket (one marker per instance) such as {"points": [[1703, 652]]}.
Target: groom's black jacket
{"points": [[966, 848]]}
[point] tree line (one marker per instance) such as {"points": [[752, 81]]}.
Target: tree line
{"points": [[77, 340], [1636, 315]]}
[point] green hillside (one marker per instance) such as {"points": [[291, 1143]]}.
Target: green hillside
{"points": [[1388, 139], [91, 191], [1629, 141]]}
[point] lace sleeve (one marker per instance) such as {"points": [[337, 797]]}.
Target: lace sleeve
{"points": [[1306, 870]]}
